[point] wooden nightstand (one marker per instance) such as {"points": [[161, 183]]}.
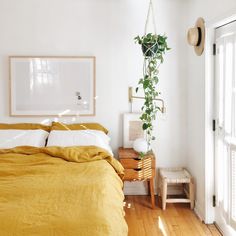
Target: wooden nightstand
{"points": [[137, 169]]}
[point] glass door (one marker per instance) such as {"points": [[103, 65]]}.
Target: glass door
{"points": [[225, 135]]}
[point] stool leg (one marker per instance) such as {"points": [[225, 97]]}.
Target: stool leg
{"points": [[191, 193], [164, 194]]}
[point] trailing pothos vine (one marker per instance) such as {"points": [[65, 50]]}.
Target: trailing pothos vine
{"points": [[153, 47]]}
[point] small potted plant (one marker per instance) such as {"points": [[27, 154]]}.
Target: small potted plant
{"points": [[152, 44], [154, 47]]}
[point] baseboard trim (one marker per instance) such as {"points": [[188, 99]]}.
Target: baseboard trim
{"points": [[199, 210]]}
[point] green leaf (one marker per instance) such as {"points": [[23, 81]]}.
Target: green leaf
{"points": [[140, 81], [145, 126], [142, 154], [145, 84]]}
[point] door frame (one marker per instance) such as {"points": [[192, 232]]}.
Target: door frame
{"points": [[209, 112]]}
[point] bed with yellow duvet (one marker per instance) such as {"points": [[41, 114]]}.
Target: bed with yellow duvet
{"points": [[60, 191]]}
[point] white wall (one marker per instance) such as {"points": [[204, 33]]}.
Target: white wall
{"points": [[195, 74], [105, 29]]}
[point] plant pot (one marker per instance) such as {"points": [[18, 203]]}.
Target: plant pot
{"points": [[149, 49]]}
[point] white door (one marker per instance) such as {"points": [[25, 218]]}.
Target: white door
{"points": [[225, 135]]}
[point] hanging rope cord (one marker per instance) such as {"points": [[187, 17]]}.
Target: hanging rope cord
{"points": [[149, 14], [150, 9]]}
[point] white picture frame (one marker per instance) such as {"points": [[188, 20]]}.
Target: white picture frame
{"points": [[52, 86], [132, 129]]}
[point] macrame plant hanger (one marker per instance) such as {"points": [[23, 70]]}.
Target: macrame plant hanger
{"points": [[150, 12]]}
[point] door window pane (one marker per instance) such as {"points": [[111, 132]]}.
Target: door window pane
{"points": [[228, 85]]}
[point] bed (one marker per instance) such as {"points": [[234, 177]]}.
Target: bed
{"points": [[56, 190]]}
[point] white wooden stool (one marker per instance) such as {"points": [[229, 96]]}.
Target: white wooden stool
{"points": [[176, 176]]}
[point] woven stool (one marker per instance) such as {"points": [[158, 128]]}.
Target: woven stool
{"points": [[176, 176]]}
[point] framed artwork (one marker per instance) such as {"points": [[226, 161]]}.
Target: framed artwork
{"points": [[132, 129], [52, 86]]}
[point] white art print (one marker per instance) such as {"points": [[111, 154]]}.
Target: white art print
{"points": [[51, 86]]}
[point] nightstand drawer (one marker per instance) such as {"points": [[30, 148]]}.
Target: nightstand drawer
{"points": [[132, 174], [136, 169], [136, 163]]}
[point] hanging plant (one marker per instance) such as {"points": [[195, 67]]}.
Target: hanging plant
{"points": [[153, 47]]}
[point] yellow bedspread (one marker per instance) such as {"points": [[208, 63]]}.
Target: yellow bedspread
{"points": [[72, 191]]}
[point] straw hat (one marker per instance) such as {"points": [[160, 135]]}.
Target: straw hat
{"points": [[196, 36]]}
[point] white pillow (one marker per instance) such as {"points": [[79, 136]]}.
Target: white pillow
{"points": [[10, 138], [65, 138]]}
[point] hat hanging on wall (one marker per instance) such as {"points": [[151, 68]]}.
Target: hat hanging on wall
{"points": [[196, 36]]}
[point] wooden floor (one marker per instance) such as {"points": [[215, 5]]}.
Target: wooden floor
{"points": [[177, 219]]}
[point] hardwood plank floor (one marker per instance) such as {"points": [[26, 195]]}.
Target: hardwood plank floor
{"points": [[177, 219]]}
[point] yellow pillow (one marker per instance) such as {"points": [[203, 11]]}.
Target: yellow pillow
{"points": [[26, 126], [80, 126]]}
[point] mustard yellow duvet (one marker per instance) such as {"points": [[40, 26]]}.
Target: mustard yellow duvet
{"points": [[72, 191]]}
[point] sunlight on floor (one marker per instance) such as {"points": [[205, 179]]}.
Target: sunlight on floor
{"points": [[127, 205], [161, 226]]}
